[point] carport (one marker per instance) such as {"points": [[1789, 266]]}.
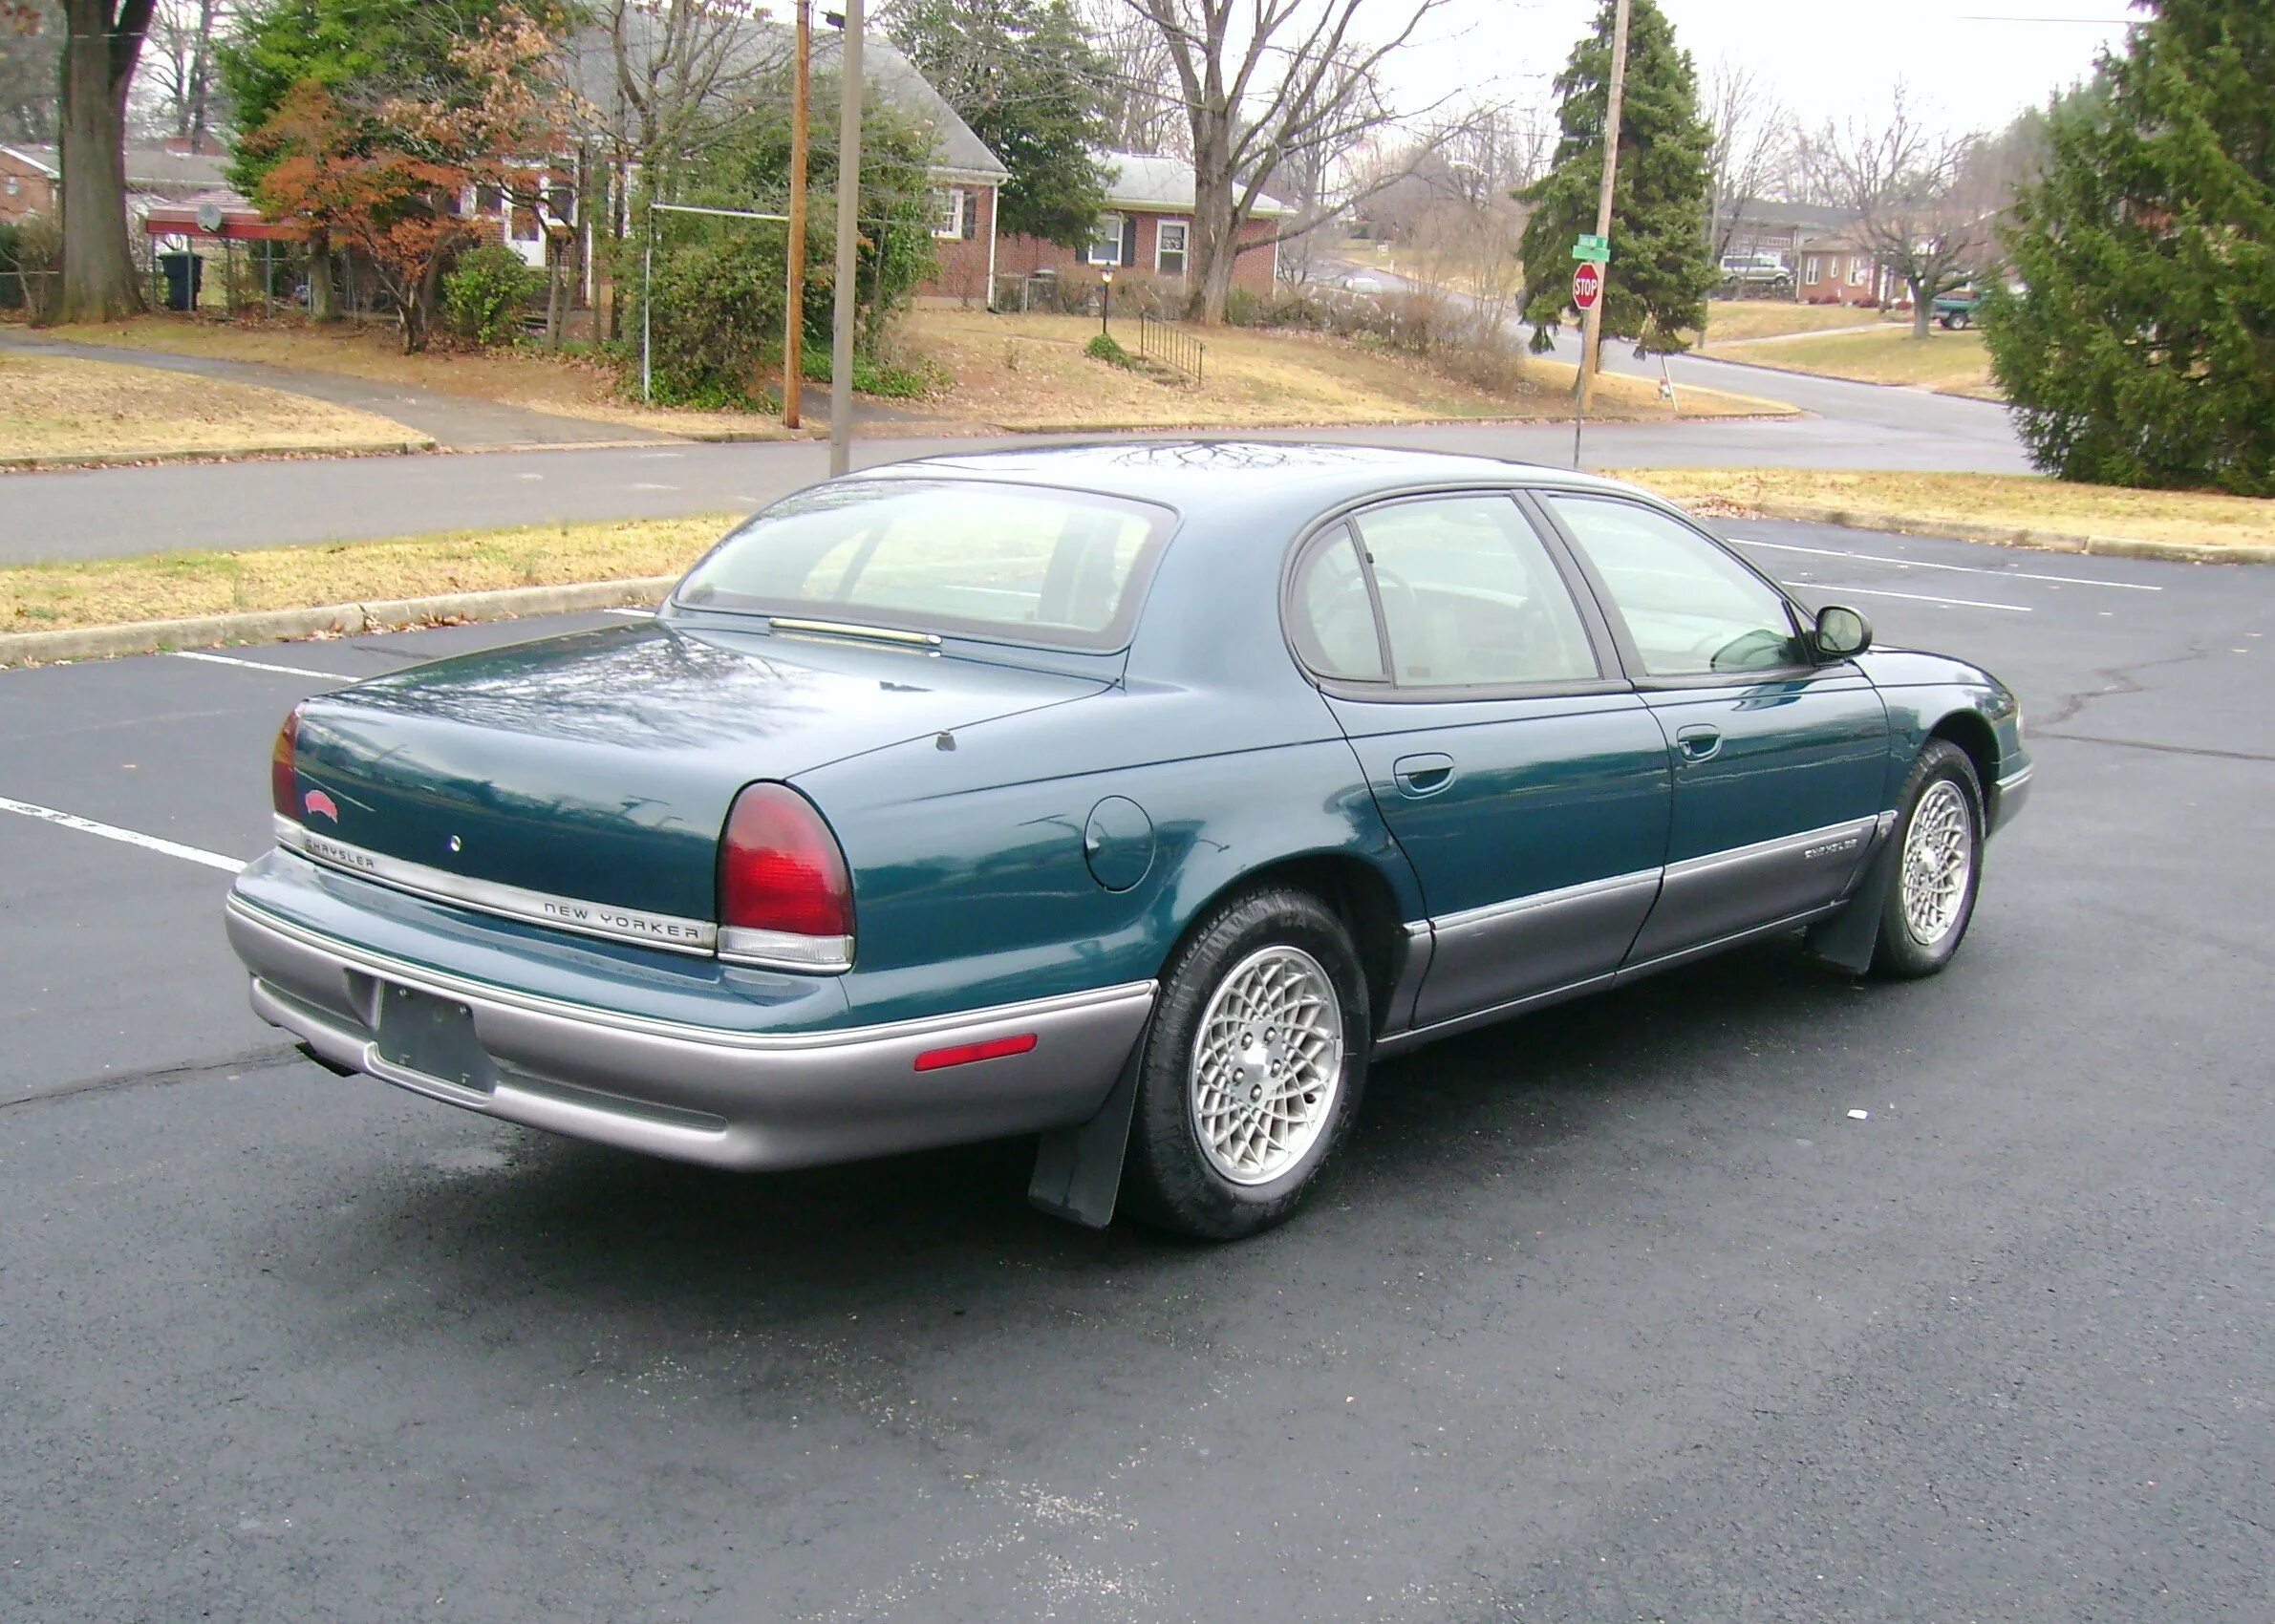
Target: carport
{"points": [[222, 217]]}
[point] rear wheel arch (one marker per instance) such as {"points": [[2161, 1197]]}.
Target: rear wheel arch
{"points": [[1356, 891]]}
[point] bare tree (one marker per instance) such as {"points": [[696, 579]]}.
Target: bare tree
{"points": [[1926, 208], [30, 46], [1261, 82], [1752, 145], [176, 72], [1143, 113]]}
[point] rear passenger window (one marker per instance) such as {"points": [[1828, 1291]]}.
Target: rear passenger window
{"points": [[1471, 597], [1332, 619]]}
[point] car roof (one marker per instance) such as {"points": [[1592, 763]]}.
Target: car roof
{"points": [[1192, 474]]}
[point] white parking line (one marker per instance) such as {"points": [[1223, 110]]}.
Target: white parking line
{"points": [[1823, 590], [632, 614], [1962, 568], [256, 665], [111, 832]]}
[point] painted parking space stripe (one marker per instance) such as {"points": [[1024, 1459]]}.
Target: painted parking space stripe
{"points": [[127, 836], [1962, 568], [1821, 587], [257, 665]]}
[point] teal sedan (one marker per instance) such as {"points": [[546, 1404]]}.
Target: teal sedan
{"points": [[1135, 796]]}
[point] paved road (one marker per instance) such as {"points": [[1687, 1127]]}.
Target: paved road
{"points": [[456, 422], [99, 513], [1612, 1314]]}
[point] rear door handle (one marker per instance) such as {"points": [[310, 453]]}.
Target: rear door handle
{"points": [[1698, 742], [1422, 775]]}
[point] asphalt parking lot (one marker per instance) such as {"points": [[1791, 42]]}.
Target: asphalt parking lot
{"points": [[1614, 1313]]}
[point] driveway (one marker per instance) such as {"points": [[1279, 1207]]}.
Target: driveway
{"points": [[1612, 1313]]}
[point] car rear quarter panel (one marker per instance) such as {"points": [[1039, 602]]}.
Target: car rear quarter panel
{"points": [[970, 884]]}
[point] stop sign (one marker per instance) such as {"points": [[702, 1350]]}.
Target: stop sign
{"points": [[1587, 285]]}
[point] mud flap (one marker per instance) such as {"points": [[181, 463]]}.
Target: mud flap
{"points": [[1078, 1171], [1847, 939]]}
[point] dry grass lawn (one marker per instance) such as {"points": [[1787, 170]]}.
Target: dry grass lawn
{"points": [[1029, 372], [561, 384], [1732, 321], [53, 407], [52, 597], [2017, 502], [1949, 363]]}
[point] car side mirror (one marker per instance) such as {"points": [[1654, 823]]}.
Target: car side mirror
{"points": [[1841, 631]]}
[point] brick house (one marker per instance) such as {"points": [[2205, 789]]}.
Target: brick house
{"points": [[1147, 228], [1838, 268], [1766, 225], [32, 178]]}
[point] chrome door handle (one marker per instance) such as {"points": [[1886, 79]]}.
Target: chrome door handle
{"points": [[1698, 742], [1422, 775]]}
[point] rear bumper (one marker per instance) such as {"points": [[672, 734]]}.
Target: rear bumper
{"points": [[725, 1098]]}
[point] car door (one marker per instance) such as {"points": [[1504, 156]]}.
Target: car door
{"points": [[1518, 770], [1780, 762]]}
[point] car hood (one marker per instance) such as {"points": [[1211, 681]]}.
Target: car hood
{"points": [[601, 766]]}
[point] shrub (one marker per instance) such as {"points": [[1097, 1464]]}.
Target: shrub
{"points": [[901, 377], [1103, 347], [30, 258], [485, 295], [1242, 307], [716, 322]]}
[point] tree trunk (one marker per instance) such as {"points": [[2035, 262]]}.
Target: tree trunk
{"points": [[99, 64], [1923, 308], [321, 305], [1214, 237]]}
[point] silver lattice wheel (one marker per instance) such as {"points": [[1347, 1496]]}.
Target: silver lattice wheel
{"points": [[1938, 859], [1266, 1064]]}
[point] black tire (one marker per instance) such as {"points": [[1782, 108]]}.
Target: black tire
{"points": [[1168, 1180], [1901, 952]]}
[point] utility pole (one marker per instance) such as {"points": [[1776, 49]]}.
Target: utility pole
{"points": [[793, 338], [846, 296], [1592, 319]]}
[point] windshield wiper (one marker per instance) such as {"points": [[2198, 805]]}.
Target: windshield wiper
{"points": [[898, 638]]}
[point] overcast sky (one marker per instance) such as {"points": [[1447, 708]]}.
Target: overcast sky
{"points": [[1826, 58]]}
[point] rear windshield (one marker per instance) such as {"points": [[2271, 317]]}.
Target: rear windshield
{"points": [[1018, 564]]}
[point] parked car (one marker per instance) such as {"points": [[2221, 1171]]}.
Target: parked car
{"points": [[1756, 273], [1139, 796], [1957, 309]]}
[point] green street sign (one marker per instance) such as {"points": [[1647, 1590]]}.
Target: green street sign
{"points": [[1590, 247]]}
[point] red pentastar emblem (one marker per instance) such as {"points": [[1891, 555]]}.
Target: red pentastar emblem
{"points": [[316, 800]]}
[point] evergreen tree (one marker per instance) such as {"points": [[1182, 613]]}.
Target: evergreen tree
{"points": [[1661, 268], [2141, 347], [1026, 79]]}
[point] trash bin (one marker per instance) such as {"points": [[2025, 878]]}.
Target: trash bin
{"points": [[185, 276]]}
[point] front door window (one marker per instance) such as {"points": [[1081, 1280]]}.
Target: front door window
{"points": [[1690, 609]]}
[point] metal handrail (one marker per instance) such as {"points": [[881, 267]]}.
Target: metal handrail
{"points": [[1172, 346]]}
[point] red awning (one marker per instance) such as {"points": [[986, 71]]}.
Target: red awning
{"points": [[239, 224]]}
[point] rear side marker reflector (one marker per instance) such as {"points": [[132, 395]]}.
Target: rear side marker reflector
{"points": [[964, 1054]]}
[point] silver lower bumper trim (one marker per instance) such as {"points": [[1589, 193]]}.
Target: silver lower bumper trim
{"points": [[726, 1098]]}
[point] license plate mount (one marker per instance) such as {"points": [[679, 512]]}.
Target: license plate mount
{"points": [[434, 1038]]}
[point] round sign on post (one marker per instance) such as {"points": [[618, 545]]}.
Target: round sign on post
{"points": [[1587, 285]]}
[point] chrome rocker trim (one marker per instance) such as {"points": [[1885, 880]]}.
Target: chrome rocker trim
{"points": [[736, 1100]]}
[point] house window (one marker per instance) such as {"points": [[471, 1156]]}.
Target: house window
{"points": [[14, 185], [1168, 247], [1859, 272], [1813, 269], [950, 205], [1105, 241], [488, 197]]}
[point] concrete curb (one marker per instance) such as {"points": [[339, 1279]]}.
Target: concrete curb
{"points": [[252, 453], [350, 620], [2004, 535]]}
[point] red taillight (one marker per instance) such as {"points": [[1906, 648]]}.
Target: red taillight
{"points": [[785, 897], [284, 777]]}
